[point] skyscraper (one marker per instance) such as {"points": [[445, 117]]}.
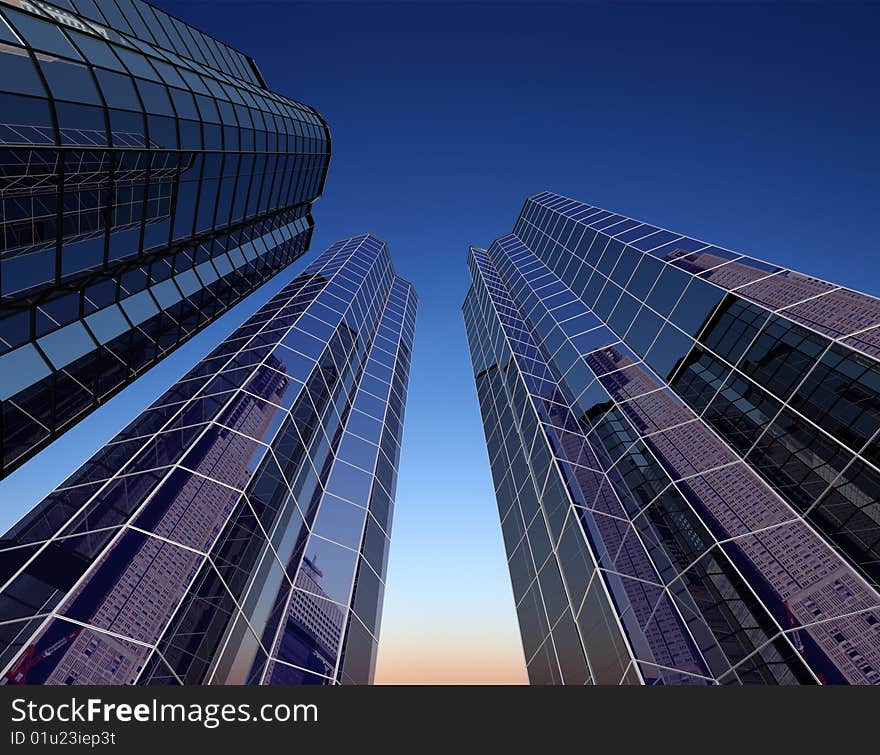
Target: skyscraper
{"points": [[149, 180], [237, 531], [684, 443]]}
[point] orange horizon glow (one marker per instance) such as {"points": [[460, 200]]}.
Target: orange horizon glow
{"points": [[451, 659]]}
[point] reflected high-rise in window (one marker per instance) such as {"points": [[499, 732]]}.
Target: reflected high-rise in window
{"points": [[149, 180], [685, 445], [237, 531]]}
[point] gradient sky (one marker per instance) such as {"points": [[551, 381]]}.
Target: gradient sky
{"points": [[752, 126]]}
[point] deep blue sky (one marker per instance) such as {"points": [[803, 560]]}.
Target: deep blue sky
{"points": [[752, 126]]}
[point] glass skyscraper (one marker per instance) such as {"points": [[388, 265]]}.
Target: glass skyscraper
{"points": [[149, 180], [237, 531], [685, 444]]}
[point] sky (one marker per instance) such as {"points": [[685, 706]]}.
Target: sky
{"points": [[751, 126]]}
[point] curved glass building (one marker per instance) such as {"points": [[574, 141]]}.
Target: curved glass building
{"points": [[685, 445], [149, 180], [237, 531]]}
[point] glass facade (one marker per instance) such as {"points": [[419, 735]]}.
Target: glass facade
{"points": [[237, 531], [149, 180], [684, 443]]}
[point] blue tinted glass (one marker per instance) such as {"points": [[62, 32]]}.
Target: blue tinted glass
{"points": [[667, 290], [118, 89], [41, 35], [6, 34], [610, 257], [20, 76], [113, 16], [25, 271], [184, 104], [340, 521], [67, 344], [696, 306], [655, 240], [644, 277], [637, 232], [107, 323], [98, 53], [155, 98], [365, 426], [644, 330], [594, 339], [19, 369], [70, 81], [358, 452], [136, 63], [606, 301], [625, 266], [668, 351], [622, 316]]}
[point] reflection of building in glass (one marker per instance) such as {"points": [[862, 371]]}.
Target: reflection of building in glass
{"points": [[312, 630], [178, 553], [138, 594], [684, 443], [149, 180]]}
